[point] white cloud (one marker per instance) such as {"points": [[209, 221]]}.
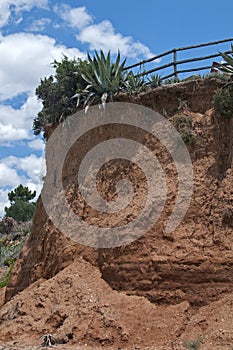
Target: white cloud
{"points": [[15, 124], [77, 17], [22, 117], [37, 144], [32, 166], [3, 201], [8, 132], [9, 176], [16, 7], [39, 25], [25, 58], [103, 36], [4, 13]]}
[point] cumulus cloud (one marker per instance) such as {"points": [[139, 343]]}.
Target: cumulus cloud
{"points": [[15, 124], [24, 58], [39, 25], [3, 201], [37, 144], [9, 8], [77, 17], [9, 176], [103, 36], [22, 117], [9, 133], [31, 165]]}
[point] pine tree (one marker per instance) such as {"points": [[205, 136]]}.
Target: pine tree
{"points": [[21, 209]]}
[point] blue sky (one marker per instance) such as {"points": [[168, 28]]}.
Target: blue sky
{"points": [[34, 32]]}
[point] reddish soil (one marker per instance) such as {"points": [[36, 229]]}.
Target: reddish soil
{"points": [[160, 290]]}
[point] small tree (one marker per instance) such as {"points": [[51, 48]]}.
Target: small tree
{"points": [[21, 209], [77, 83], [56, 92]]}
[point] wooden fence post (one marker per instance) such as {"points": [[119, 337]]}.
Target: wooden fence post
{"points": [[174, 63]]}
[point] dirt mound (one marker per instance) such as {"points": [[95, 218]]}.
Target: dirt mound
{"points": [[80, 309], [158, 291]]}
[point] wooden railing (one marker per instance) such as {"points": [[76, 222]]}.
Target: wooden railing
{"points": [[175, 63]]}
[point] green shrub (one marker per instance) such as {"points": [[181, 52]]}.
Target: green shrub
{"points": [[77, 82], [223, 101], [184, 126], [55, 92], [9, 252], [192, 344], [182, 105], [223, 98], [4, 282], [217, 75], [21, 210], [173, 80], [193, 77]]}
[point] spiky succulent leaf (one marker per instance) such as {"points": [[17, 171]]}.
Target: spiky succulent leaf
{"points": [[103, 77], [225, 69], [227, 58], [89, 98], [87, 77]]}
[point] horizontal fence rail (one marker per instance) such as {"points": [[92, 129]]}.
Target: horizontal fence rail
{"points": [[175, 62]]}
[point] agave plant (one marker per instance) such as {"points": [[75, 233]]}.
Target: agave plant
{"points": [[227, 68], [134, 83], [104, 78], [154, 80]]}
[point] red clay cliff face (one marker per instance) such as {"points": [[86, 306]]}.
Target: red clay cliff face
{"points": [[194, 263], [186, 275]]}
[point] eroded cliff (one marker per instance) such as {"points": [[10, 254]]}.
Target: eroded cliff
{"points": [[181, 273]]}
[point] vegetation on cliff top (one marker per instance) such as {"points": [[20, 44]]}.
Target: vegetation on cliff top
{"points": [[79, 83]]}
